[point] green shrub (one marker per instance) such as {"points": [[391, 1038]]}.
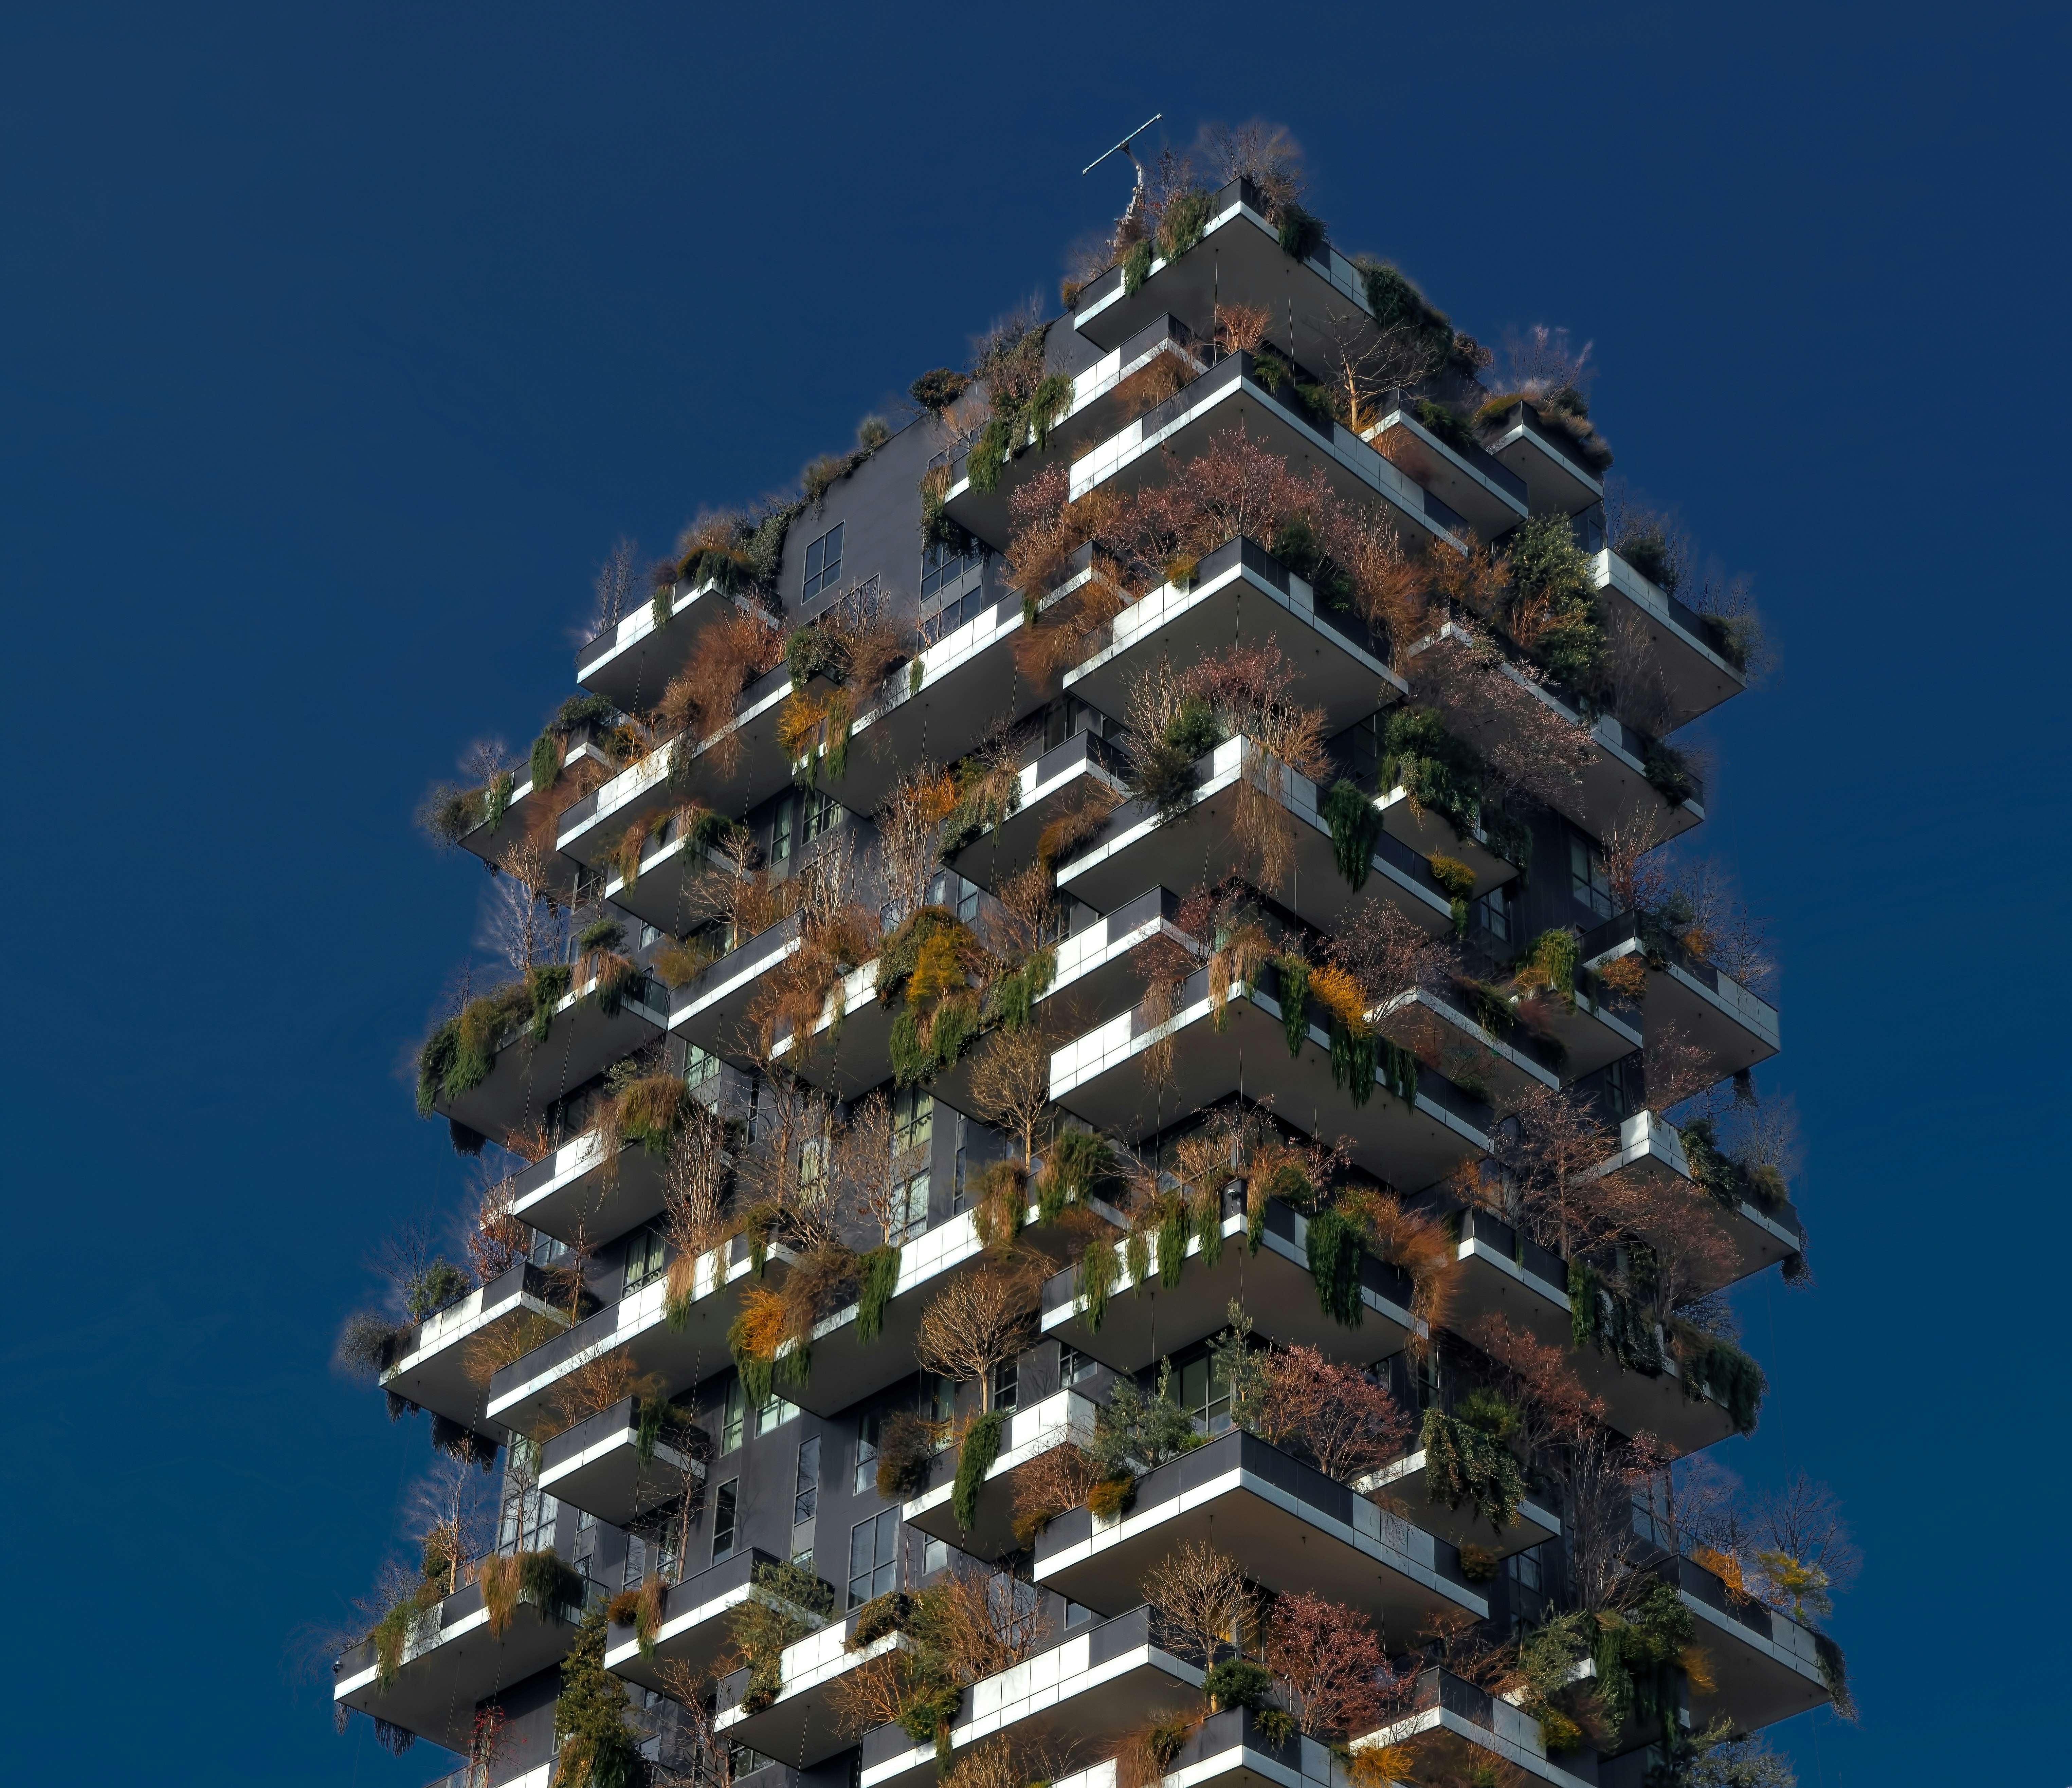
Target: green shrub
{"points": [[1397, 305], [1093, 1280], [1549, 569], [1834, 1672], [975, 1459], [544, 766], [1193, 730], [989, 455], [1136, 267], [1555, 954], [1445, 424], [879, 1616], [877, 1277], [1237, 1682], [1669, 773], [1048, 406], [905, 1446], [435, 1288], [1355, 825], [1729, 1375], [1186, 216], [1076, 1162], [1436, 770], [939, 388], [872, 433], [1294, 975], [1736, 637], [1334, 1250], [1464, 1463], [1301, 234]]}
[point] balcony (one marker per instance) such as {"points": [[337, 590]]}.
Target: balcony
{"points": [[1229, 1750], [1142, 1321], [694, 1629], [1064, 1418], [1556, 479], [1139, 849], [1318, 303], [1651, 1149], [1053, 782], [799, 1726], [1694, 678], [1612, 790], [582, 1040], [1504, 1273], [450, 1661], [489, 841], [1110, 1077], [1234, 396], [1735, 1028], [1601, 1030], [430, 1368], [1241, 595], [1097, 967], [1429, 833], [664, 891], [522, 1394], [967, 683], [1082, 1695], [1473, 1059], [1295, 1530], [596, 1466], [1454, 1727], [1488, 493], [843, 1369], [1406, 1484], [564, 1193], [711, 1010], [631, 663], [682, 770], [1765, 1666], [1095, 412]]}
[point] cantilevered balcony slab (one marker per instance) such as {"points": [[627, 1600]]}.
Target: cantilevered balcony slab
{"points": [[1138, 849], [1406, 1487], [1611, 790], [1689, 675], [1234, 397], [1490, 496], [631, 662], [1734, 1027], [666, 890], [1053, 783], [1765, 1666], [1095, 412], [1063, 1418], [1454, 1727], [1556, 479], [451, 1661], [967, 685], [1078, 1698], [430, 1367], [711, 1010], [1650, 1150], [1319, 304], [849, 1048], [637, 1330], [597, 1466], [1140, 1321], [1231, 1750], [1505, 1274], [1431, 1026], [490, 842], [1097, 967], [1600, 1029], [694, 1629], [1241, 595], [1430, 834], [576, 1191], [801, 1726], [684, 769], [842, 1368], [1297, 1531], [1110, 1077], [582, 1040]]}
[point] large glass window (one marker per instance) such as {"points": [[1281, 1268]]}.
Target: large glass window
{"points": [[725, 1513], [805, 1487], [1587, 880], [823, 813], [823, 563], [644, 1261], [913, 1118], [866, 1454], [1205, 1397], [773, 1415], [733, 1416], [874, 1557]]}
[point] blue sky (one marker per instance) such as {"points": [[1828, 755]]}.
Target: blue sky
{"points": [[334, 351]]}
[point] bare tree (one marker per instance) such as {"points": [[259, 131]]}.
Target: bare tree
{"points": [[694, 1178], [977, 1323], [616, 587], [1010, 1084], [449, 1509], [1200, 1594], [1266, 154], [872, 1169], [1544, 361], [910, 832]]}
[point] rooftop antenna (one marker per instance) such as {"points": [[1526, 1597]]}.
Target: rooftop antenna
{"points": [[1123, 148]]}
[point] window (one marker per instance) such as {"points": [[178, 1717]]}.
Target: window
{"points": [[700, 1067], [914, 1217], [586, 1546], [803, 1559], [943, 568], [773, 1415], [942, 1406], [644, 1261], [648, 934], [1618, 1090], [1205, 1397], [874, 1557], [529, 1526], [723, 1519], [1492, 912], [805, 1487], [780, 831], [1076, 1616], [742, 1762], [823, 563], [1525, 1568], [866, 1454], [935, 1556], [1074, 1367], [1588, 881], [823, 813], [957, 1200], [913, 1119], [732, 1417], [1006, 1383]]}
